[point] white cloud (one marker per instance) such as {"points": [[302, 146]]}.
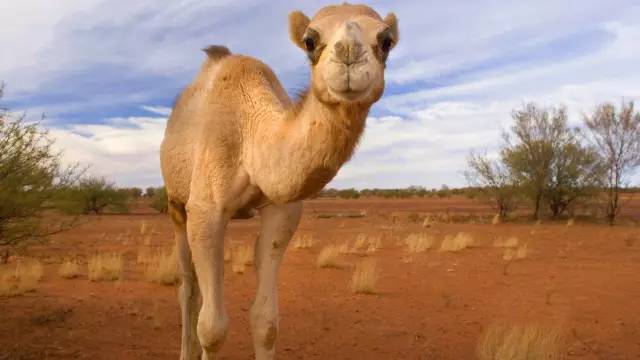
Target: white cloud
{"points": [[158, 110], [124, 149]]}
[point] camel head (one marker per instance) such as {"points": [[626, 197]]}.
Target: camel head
{"points": [[348, 46]]}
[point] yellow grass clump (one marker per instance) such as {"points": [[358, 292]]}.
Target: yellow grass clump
{"points": [[360, 243], [162, 267], [375, 242], [364, 277], [328, 257], [345, 248], [23, 278], [241, 256], [69, 269], [428, 222], [106, 267], [515, 253], [511, 242], [145, 255], [418, 242], [456, 243], [305, 241], [533, 342]]}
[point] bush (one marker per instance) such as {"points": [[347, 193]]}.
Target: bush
{"points": [[95, 195], [31, 178], [159, 200]]}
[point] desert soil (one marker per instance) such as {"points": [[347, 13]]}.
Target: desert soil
{"points": [[583, 279]]}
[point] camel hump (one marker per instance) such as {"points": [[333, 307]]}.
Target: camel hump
{"points": [[216, 52]]}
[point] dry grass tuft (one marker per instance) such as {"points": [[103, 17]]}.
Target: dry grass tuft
{"points": [[456, 243], [511, 242], [419, 242], [345, 248], [305, 241], [428, 222], [106, 267], [241, 256], [501, 342], [23, 278], [69, 269], [516, 253], [145, 255], [328, 257], [360, 243], [162, 267], [364, 277], [375, 243]]}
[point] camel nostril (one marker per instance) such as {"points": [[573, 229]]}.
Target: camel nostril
{"points": [[348, 52]]}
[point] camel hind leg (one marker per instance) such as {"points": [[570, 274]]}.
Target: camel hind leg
{"points": [[188, 293]]}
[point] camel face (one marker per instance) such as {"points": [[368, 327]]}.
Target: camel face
{"points": [[348, 46]]}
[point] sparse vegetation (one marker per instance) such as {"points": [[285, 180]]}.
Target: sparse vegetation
{"points": [[32, 179], [456, 243], [328, 257], [159, 200], [23, 278], [419, 242], [615, 134], [303, 241], [241, 256], [94, 195], [162, 267], [69, 269], [502, 342], [105, 267], [364, 277]]}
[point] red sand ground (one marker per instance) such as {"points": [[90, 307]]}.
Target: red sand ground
{"points": [[582, 278]]}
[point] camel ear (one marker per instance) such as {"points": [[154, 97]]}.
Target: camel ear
{"points": [[298, 23], [392, 22]]}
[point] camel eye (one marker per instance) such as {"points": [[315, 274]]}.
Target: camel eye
{"points": [[309, 44]]}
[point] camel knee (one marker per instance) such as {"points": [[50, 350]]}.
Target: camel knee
{"points": [[212, 330], [264, 326]]}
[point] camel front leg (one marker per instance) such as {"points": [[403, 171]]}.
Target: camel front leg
{"points": [[279, 222], [205, 230]]}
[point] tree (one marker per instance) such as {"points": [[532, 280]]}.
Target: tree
{"points": [[150, 191], [159, 200], [96, 194], [538, 135], [32, 177], [575, 173], [616, 137], [494, 181]]}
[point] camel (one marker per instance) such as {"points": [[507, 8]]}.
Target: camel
{"points": [[236, 141]]}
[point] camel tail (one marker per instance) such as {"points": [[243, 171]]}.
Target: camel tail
{"points": [[216, 52]]}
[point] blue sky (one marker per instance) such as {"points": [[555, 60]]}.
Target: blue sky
{"points": [[106, 72]]}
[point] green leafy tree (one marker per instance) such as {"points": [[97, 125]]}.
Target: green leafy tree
{"points": [[32, 177], [531, 148], [159, 200], [575, 173], [94, 195]]}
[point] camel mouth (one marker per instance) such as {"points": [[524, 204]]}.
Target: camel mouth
{"points": [[349, 95]]}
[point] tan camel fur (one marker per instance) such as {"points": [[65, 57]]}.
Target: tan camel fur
{"points": [[236, 141]]}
